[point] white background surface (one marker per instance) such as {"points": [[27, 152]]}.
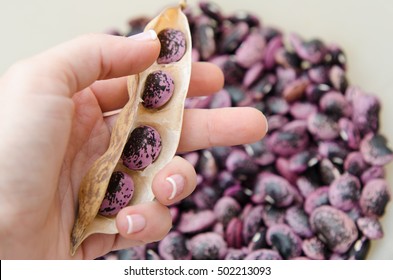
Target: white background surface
{"points": [[363, 28]]}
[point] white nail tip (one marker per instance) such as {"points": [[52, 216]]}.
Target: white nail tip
{"points": [[174, 188]]}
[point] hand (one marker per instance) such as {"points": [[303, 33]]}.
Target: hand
{"points": [[52, 129]]}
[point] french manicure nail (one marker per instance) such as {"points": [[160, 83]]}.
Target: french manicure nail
{"points": [[176, 185], [135, 223], [149, 35]]}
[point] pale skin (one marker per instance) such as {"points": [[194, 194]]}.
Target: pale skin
{"points": [[52, 129]]}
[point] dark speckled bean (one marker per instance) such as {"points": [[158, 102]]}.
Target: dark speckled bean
{"points": [[355, 164], [365, 112], [338, 78], [291, 139], [302, 110], [344, 192], [335, 105], [263, 254], [226, 208], [233, 233], [314, 248], [333, 151], [272, 215], [374, 197], [284, 240], [312, 51], [316, 198], [303, 160], [375, 150], [349, 133], [370, 227], [232, 37], [258, 241], [283, 168], [328, 171], [260, 152], [236, 254], [204, 37], [191, 222], [174, 247], [251, 50], [272, 189], [297, 219], [322, 126], [252, 223], [334, 228], [208, 246], [277, 105], [374, 172], [315, 92], [241, 164]]}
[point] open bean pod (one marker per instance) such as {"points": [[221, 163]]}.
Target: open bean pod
{"points": [[165, 119]]}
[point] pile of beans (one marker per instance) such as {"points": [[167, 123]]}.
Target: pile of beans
{"points": [[314, 187]]}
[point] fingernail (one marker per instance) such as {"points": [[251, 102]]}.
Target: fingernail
{"points": [[149, 35], [175, 185], [135, 223]]}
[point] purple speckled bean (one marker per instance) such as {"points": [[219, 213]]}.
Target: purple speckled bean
{"points": [[301, 161], [338, 78], [119, 193], [283, 168], [251, 50], [233, 233], [253, 74], [322, 126], [370, 227], [260, 153], [252, 223], [173, 45], [208, 246], [297, 219], [263, 254], [226, 208], [276, 122], [374, 197], [158, 89], [272, 215], [375, 150], [191, 222], [284, 240], [328, 171], [291, 139], [344, 192], [203, 37], [365, 114], [142, 148], [270, 52], [318, 74], [359, 249], [374, 172], [314, 248], [349, 133], [302, 110], [272, 189], [314, 92], [355, 164], [312, 51], [335, 105], [232, 37], [333, 151], [174, 247], [287, 59], [334, 228], [241, 164], [316, 198], [236, 254]]}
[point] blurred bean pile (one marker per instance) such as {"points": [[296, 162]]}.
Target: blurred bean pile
{"points": [[314, 187]]}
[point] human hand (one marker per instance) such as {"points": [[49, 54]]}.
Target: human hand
{"points": [[52, 129]]}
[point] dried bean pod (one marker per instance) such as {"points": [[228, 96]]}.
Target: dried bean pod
{"points": [[166, 120]]}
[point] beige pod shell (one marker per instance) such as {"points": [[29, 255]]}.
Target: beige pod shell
{"points": [[166, 120]]}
